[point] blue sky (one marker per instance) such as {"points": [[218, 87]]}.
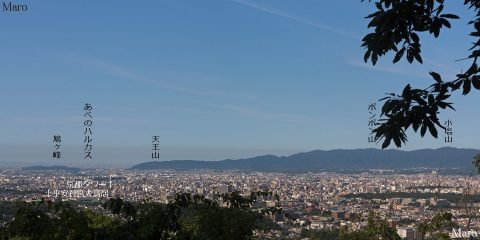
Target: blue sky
{"points": [[214, 79]]}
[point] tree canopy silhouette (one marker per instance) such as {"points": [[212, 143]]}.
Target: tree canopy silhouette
{"points": [[396, 25], [186, 216]]}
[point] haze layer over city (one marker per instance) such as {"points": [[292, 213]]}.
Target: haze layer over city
{"points": [[240, 119]]}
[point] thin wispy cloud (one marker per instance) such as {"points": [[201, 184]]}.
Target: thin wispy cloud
{"points": [[260, 114], [128, 74], [301, 20]]}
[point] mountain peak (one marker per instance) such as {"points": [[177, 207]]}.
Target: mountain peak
{"points": [[320, 160]]}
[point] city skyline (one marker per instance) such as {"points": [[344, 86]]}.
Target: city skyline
{"points": [[215, 80]]}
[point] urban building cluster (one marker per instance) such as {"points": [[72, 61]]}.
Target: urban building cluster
{"points": [[309, 201]]}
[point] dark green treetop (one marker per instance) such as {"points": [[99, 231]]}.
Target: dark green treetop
{"points": [[396, 26]]}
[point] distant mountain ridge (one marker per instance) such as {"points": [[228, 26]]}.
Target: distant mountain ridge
{"points": [[317, 160]]}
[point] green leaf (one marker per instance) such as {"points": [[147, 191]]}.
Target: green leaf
{"points": [[443, 97], [415, 37], [431, 99], [381, 99], [423, 130], [451, 16], [432, 129], [410, 55], [436, 76], [374, 58], [475, 34], [476, 82], [473, 69], [416, 125], [396, 139], [386, 142], [367, 55], [445, 23], [406, 90], [457, 85], [399, 55], [417, 56], [467, 85], [449, 105]]}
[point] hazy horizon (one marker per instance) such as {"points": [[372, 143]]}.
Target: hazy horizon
{"points": [[236, 154], [214, 80]]}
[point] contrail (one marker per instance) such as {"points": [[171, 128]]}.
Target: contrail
{"points": [[296, 19]]}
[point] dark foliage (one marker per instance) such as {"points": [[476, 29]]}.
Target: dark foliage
{"points": [[397, 25], [186, 217], [438, 227], [376, 229], [321, 234], [476, 162]]}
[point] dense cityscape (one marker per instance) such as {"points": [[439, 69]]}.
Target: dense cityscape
{"points": [[240, 120], [310, 201]]}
